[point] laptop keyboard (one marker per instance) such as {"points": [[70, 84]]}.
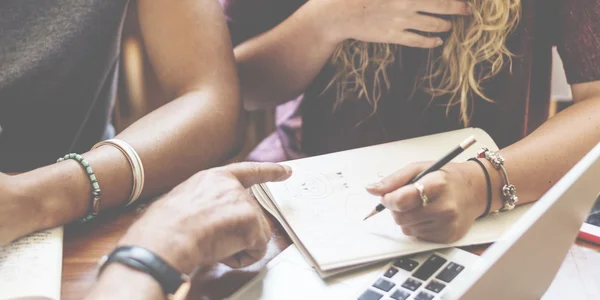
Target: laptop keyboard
{"points": [[408, 279]]}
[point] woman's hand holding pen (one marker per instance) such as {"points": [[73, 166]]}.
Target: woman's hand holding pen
{"points": [[392, 21], [456, 197]]}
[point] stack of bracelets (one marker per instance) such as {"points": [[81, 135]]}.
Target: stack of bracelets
{"points": [[137, 169], [509, 192]]}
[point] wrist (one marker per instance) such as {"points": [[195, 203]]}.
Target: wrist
{"points": [[171, 245], [121, 282], [324, 18], [57, 194], [496, 184], [478, 187]]}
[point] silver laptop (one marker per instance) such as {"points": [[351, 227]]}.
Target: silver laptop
{"points": [[521, 265]]}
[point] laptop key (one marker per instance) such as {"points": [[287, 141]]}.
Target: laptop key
{"points": [[411, 284], [384, 285], [406, 264], [370, 295], [428, 268], [435, 286], [400, 295], [424, 296], [450, 272], [390, 272]]}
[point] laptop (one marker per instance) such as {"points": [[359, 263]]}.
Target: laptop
{"points": [[520, 265]]}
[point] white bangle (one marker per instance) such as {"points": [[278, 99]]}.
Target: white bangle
{"points": [[137, 168]]}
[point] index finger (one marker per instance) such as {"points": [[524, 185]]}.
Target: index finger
{"points": [[445, 7], [251, 173]]}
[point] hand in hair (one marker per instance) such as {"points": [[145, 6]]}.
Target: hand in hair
{"points": [[456, 193], [395, 21]]}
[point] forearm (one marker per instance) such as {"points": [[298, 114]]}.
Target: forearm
{"points": [[538, 161], [280, 64], [187, 135], [120, 282], [188, 46]]}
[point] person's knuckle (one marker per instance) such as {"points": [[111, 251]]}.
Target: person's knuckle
{"points": [[389, 201], [450, 212], [397, 218], [213, 176], [411, 42], [453, 233], [440, 181], [443, 25], [267, 233], [404, 217], [250, 217], [462, 7], [406, 231]]}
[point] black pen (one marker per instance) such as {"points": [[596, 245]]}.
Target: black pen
{"points": [[436, 166]]}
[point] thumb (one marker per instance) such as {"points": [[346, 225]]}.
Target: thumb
{"points": [[396, 180], [251, 173]]}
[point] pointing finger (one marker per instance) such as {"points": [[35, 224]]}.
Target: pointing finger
{"points": [[251, 173]]}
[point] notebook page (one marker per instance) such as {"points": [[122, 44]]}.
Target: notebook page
{"points": [[325, 201], [31, 267]]}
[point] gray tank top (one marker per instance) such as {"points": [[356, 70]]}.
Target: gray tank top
{"points": [[58, 71]]}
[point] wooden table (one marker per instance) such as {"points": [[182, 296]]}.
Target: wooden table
{"points": [[86, 244]]}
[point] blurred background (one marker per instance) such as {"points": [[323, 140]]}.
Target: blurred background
{"points": [[139, 92]]}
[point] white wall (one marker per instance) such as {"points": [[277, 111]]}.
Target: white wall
{"points": [[560, 90]]}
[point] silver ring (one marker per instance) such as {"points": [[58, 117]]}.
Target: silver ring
{"points": [[421, 190]]}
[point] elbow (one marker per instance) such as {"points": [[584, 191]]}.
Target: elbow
{"points": [[236, 133], [237, 145]]}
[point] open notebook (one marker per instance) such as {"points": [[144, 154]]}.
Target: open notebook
{"points": [[31, 267], [323, 204]]}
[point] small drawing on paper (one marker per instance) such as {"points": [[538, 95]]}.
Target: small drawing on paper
{"points": [[309, 185]]}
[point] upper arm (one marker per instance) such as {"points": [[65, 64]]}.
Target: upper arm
{"points": [[188, 45], [578, 44], [585, 90], [248, 18]]}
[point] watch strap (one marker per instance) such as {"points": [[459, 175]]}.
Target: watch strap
{"points": [[143, 260]]}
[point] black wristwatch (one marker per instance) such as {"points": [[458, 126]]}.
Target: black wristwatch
{"points": [[173, 282]]}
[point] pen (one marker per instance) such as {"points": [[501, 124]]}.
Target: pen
{"points": [[436, 166]]}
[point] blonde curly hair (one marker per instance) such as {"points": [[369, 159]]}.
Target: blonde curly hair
{"points": [[476, 39]]}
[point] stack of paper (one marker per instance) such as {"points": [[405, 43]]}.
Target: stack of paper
{"points": [[323, 204]]}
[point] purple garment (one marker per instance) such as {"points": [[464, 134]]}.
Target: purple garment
{"points": [[309, 126]]}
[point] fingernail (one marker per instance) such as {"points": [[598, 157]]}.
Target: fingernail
{"points": [[288, 169], [374, 185], [439, 42]]}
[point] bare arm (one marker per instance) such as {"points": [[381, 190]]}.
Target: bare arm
{"points": [[538, 161], [288, 57], [533, 164], [281, 63], [191, 52]]}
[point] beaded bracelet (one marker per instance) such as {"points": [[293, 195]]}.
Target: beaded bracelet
{"points": [[95, 202], [509, 192]]}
